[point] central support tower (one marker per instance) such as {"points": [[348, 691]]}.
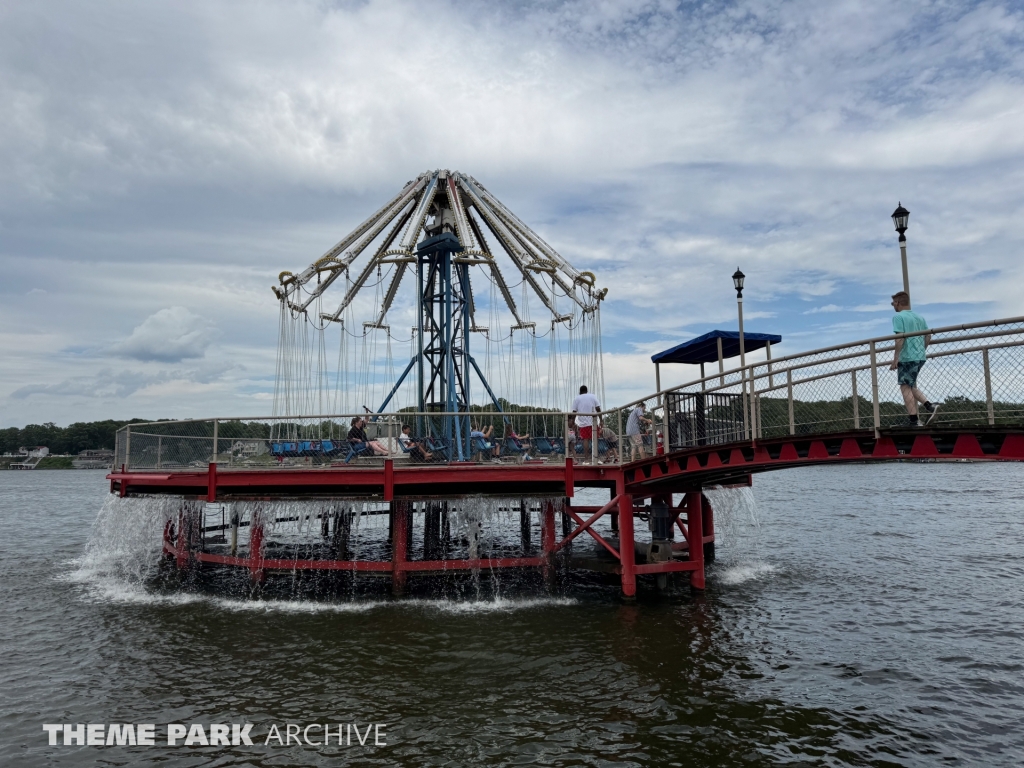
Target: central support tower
{"points": [[442, 334]]}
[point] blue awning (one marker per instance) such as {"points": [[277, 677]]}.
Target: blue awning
{"points": [[704, 349]]}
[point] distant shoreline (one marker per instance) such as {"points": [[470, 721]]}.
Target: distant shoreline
{"points": [[47, 462]]}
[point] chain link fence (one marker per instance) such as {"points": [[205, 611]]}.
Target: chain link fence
{"points": [[974, 372], [475, 436]]}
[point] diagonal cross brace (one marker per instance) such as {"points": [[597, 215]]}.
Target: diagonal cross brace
{"points": [[586, 526]]}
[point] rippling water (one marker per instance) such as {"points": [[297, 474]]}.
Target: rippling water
{"points": [[864, 615]]}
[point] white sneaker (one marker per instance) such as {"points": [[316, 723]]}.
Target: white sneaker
{"points": [[932, 413]]}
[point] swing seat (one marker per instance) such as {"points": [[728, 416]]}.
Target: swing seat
{"points": [[437, 446], [355, 449], [480, 447], [543, 446], [512, 446], [409, 451]]}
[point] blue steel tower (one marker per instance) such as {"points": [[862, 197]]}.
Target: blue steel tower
{"points": [[442, 359]]}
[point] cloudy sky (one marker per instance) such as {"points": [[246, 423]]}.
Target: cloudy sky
{"points": [[161, 163]]}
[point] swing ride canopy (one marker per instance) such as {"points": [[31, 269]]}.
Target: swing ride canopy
{"points": [[395, 290]]}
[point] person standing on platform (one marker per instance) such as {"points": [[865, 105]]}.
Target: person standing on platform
{"points": [[635, 431], [909, 357], [585, 406]]}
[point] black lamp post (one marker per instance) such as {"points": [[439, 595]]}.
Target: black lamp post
{"points": [[737, 281], [900, 218]]}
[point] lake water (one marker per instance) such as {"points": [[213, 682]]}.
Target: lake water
{"points": [[858, 615]]}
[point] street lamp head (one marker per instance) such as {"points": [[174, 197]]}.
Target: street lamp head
{"points": [[737, 281], [900, 217]]}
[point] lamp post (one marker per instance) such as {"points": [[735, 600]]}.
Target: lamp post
{"points": [[737, 281], [900, 217]]}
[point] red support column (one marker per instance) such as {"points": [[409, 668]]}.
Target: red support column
{"points": [[181, 545], [168, 539], [708, 523], [399, 546], [627, 549], [211, 482], [256, 571], [389, 480], [695, 531], [547, 542]]}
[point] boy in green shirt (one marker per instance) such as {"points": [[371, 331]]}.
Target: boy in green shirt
{"points": [[909, 357]]}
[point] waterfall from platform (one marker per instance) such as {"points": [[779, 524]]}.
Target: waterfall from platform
{"points": [[123, 560]]}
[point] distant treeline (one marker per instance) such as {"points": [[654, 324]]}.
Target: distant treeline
{"points": [[80, 436]]}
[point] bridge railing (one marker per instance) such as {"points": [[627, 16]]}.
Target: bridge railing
{"points": [[975, 371]]}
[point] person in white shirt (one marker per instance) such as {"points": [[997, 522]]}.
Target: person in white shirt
{"points": [[585, 406]]}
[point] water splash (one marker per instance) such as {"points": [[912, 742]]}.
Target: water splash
{"points": [[739, 574], [122, 555], [738, 537], [122, 561], [497, 605]]}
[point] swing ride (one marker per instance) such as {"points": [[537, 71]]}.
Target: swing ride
{"points": [[479, 309]]}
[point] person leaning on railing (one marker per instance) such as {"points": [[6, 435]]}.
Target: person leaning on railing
{"points": [[909, 357]]}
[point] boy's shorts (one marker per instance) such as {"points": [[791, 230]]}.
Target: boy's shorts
{"points": [[906, 372], [586, 433]]}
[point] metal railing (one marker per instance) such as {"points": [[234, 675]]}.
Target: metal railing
{"points": [[975, 371], [475, 436]]}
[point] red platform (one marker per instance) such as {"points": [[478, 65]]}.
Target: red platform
{"points": [[680, 472]]}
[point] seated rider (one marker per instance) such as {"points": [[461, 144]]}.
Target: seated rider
{"points": [[416, 450], [358, 435], [521, 442], [612, 440], [484, 435]]}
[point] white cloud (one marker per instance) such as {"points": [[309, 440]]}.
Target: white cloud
{"points": [[170, 336]]}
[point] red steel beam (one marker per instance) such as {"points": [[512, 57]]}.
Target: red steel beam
{"points": [[597, 537], [211, 482], [627, 551], [671, 566], [283, 564], [389, 479], [400, 523], [585, 526], [695, 527], [478, 563]]}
